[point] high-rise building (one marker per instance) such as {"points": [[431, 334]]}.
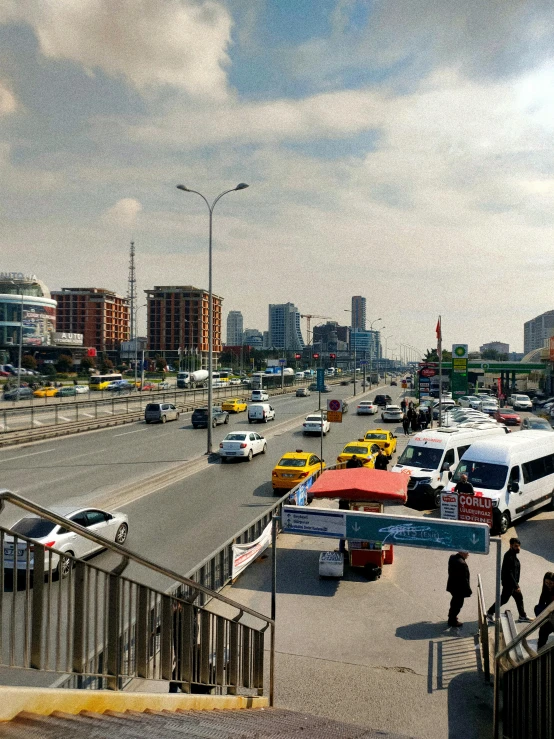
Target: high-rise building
{"points": [[100, 315], [366, 343], [178, 320], [495, 346], [331, 337], [284, 327], [253, 337], [234, 328], [358, 313], [537, 331]]}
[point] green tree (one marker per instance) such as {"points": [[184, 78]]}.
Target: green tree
{"points": [[432, 356], [107, 365], [28, 362], [49, 370], [160, 364], [87, 363], [64, 363]]}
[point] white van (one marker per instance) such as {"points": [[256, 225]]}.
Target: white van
{"points": [[515, 471], [261, 413], [432, 454]]}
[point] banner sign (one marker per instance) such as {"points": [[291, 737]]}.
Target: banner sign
{"points": [[463, 507], [299, 494], [245, 554]]}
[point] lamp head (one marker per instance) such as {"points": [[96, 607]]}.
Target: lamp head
{"points": [[241, 186], [183, 187]]}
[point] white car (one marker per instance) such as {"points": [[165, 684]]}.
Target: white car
{"points": [[465, 400], [522, 403], [81, 389], [235, 381], [392, 413], [259, 395], [366, 408], [489, 407], [313, 424], [243, 444], [113, 526]]}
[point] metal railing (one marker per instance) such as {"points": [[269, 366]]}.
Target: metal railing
{"points": [[483, 632], [106, 629], [524, 682]]}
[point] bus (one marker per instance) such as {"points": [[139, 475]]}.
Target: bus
{"points": [[101, 382]]}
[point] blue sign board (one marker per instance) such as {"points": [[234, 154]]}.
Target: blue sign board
{"points": [[299, 494], [407, 531], [363, 361], [320, 378], [282, 361]]}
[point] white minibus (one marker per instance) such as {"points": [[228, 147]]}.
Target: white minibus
{"points": [[515, 471]]}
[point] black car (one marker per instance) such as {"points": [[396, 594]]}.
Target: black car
{"points": [[532, 423], [393, 383], [200, 417], [382, 400]]}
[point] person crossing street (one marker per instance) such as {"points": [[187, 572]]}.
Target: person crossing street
{"points": [[510, 574]]}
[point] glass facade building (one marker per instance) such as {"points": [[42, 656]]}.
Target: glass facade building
{"points": [[25, 302]]}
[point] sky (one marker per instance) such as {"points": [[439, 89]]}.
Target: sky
{"points": [[394, 149]]}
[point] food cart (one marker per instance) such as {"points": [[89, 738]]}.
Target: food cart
{"points": [[368, 490]]}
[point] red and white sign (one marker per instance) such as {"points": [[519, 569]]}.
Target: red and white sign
{"points": [[475, 508], [427, 372], [334, 405], [91, 352], [449, 506]]}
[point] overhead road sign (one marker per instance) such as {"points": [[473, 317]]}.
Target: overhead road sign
{"points": [[408, 531]]}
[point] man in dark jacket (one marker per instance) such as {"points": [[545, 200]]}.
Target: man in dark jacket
{"points": [[511, 570], [463, 486], [354, 462], [458, 586], [381, 461]]}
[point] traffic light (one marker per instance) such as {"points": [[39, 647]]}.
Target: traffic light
{"points": [[315, 356], [298, 356], [332, 356]]}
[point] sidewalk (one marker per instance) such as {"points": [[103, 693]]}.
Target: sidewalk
{"points": [[376, 654]]}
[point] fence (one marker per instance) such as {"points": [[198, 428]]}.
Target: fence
{"points": [[106, 629]]}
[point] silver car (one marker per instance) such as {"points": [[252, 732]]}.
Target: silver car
{"points": [[161, 412], [392, 413], [113, 526]]}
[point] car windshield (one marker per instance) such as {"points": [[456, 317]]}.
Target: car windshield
{"points": [[377, 437], [287, 462], [235, 437], [484, 474], [34, 528], [538, 423], [421, 456], [350, 449]]}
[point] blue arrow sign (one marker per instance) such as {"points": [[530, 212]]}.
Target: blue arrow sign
{"points": [[320, 378], [407, 531]]}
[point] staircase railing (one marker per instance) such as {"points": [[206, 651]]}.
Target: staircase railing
{"points": [[107, 629]]}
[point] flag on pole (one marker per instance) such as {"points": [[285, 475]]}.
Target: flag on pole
{"points": [[439, 329]]}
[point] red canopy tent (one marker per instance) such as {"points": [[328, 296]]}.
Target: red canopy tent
{"points": [[361, 483]]}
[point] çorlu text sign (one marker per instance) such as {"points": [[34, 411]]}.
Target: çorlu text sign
{"points": [[463, 507], [408, 531]]}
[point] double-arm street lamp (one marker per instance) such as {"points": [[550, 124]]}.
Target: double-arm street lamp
{"points": [[373, 343], [240, 186]]}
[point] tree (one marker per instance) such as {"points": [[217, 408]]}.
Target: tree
{"points": [[432, 356], [64, 363], [87, 363], [107, 365], [160, 364], [29, 362]]}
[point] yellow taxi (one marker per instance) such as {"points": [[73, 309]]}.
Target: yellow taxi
{"points": [[293, 467], [234, 405], [383, 438], [364, 450], [45, 392]]}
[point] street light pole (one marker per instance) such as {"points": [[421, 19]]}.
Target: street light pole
{"points": [[371, 350], [240, 186], [390, 336], [349, 310], [136, 343], [20, 355]]}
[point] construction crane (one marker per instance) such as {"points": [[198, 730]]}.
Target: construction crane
{"points": [[308, 317]]}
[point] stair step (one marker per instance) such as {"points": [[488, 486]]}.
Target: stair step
{"points": [[249, 723]]}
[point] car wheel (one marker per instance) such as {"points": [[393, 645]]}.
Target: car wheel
{"points": [[194, 425], [164, 419], [214, 423], [223, 460], [264, 450], [250, 420], [121, 534], [250, 455], [177, 416], [226, 419], [145, 421], [505, 522], [65, 565], [437, 498]]}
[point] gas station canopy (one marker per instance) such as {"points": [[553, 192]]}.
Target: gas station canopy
{"points": [[361, 483]]}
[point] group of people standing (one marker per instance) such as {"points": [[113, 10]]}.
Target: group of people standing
{"points": [[413, 418], [459, 587]]}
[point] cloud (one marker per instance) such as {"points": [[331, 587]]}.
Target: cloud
{"points": [[8, 103], [124, 213], [177, 43]]}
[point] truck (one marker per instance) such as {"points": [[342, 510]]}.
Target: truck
{"points": [[192, 379]]}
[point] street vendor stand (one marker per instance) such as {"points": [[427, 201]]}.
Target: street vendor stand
{"points": [[368, 490]]}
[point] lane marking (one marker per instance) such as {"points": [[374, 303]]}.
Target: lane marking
{"points": [[32, 454], [85, 454], [65, 418], [37, 423], [129, 432]]}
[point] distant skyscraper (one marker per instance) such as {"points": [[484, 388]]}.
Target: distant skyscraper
{"points": [[284, 327], [358, 313], [497, 346], [253, 337], [234, 328], [537, 331]]}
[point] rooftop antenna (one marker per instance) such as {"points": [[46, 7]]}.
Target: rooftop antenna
{"points": [[132, 291]]}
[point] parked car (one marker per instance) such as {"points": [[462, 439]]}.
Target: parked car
{"points": [[521, 403], [199, 417], [365, 451], [303, 392], [507, 416], [532, 423], [81, 389], [392, 413], [67, 391], [366, 408], [160, 412], [119, 386], [384, 439], [242, 444], [12, 394], [46, 392], [314, 423], [113, 526]]}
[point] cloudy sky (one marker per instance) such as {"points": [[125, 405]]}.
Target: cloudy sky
{"points": [[395, 149]]}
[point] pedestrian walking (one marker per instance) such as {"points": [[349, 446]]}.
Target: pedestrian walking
{"points": [[546, 599], [458, 586], [422, 419], [511, 571], [415, 421], [463, 486], [354, 462], [403, 405], [381, 461], [406, 424]]}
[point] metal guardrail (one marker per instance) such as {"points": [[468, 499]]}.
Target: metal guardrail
{"points": [[523, 686], [483, 630], [106, 629]]}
